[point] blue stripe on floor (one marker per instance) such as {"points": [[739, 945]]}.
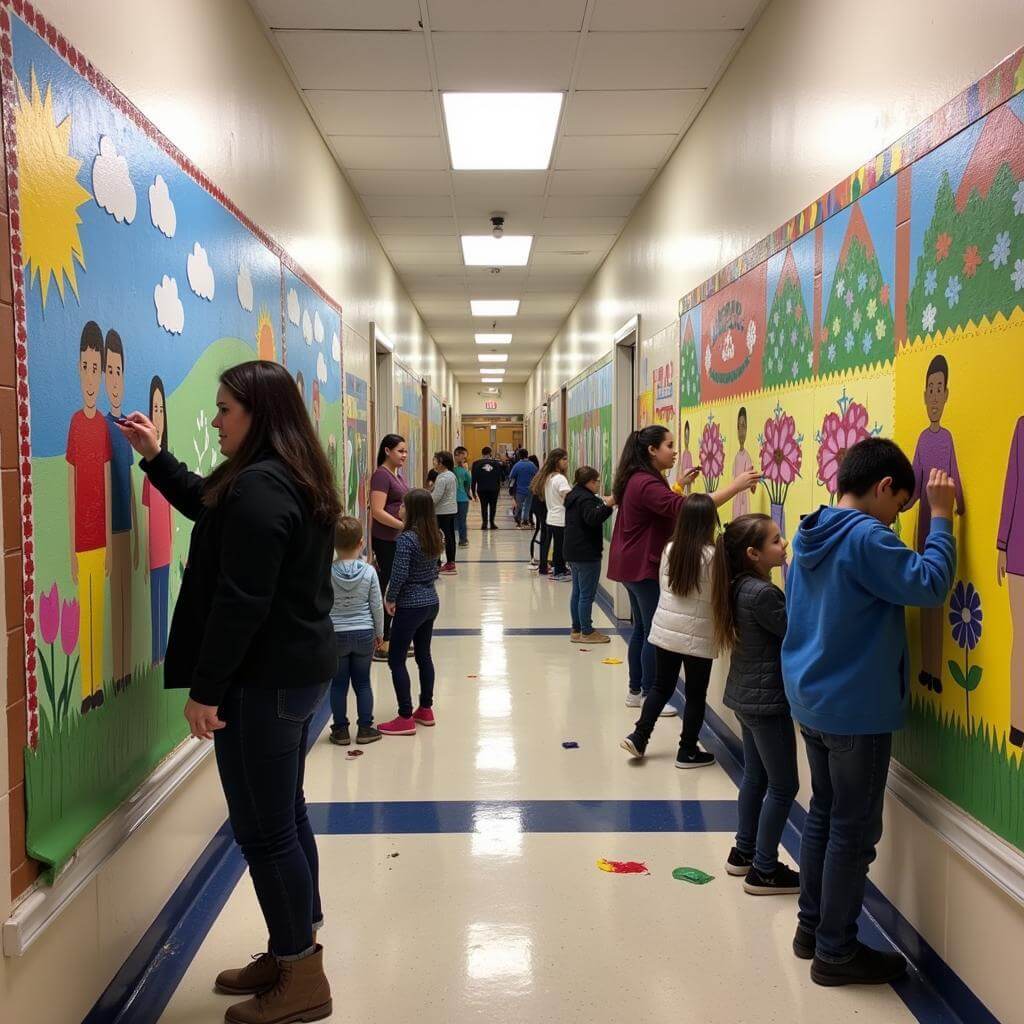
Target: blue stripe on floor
{"points": [[496, 630]]}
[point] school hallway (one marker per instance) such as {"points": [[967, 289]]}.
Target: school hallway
{"points": [[458, 867]]}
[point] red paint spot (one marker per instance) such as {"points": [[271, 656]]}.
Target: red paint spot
{"points": [[623, 867]]}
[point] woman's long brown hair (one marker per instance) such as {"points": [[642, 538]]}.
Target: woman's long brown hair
{"points": [[694, 531], [550, 466], [421, 519], [732, 562], [280, 424], [636, 458]]}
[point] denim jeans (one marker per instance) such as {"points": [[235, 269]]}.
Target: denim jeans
{"points": [[412, 626], [525, 500], [696, 676], [355, 655], [461, 520], [261, 758], [769, 787], [585, 576], [643, 602], [844, 824]]}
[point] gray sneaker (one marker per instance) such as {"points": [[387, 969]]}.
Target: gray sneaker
{"points": [[367, 734], [634, 699]]}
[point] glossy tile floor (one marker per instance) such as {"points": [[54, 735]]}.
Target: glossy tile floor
{"points": [[494, 909]]}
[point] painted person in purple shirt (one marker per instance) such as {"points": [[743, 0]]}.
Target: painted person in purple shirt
{"points": [[1010, 565], [934, 451]]}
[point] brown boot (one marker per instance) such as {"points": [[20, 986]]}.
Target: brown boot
{"points": [[258, 976], [302, 993], [594, 637]]}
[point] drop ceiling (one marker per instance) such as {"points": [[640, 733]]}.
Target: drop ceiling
{"points": [[634, 74]]}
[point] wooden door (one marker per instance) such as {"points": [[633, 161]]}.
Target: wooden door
{"points": [[475, 438]]}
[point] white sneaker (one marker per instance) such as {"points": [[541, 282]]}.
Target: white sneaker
{"points": [[668, 712], [634, 700]]}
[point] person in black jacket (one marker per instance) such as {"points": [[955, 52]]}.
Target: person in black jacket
{"points": [[750, 618], [487, 475], [251, 640], [585, 515]]}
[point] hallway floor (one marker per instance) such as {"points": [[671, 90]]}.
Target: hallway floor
{"points": [[458, 867]]}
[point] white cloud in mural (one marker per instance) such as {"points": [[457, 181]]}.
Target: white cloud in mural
{"points": [[244, 286], [321, 368], [200, 273], [112, 184], [318, 329], [336, 348], [307, 327], [293, 306], [161, 209], [170, 313]]}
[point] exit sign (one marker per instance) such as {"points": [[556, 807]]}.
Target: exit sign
{"points": [[490, 405]]}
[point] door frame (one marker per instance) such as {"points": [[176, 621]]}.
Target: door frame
{"points": [[625, 378]]}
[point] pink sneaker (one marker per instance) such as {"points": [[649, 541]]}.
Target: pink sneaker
{"points": [[448, 569], [424, 716], [398, 726]]}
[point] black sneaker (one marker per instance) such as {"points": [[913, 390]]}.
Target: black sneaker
{"points": [[367, 734], [694, 759], [634, 745], [340, 736], [782, 881], [803, 944], [737, 864], [868, 967]]}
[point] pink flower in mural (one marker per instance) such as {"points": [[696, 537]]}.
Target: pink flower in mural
{"points": [[839, 432], [69, 627], [781, 457], [712, 454], [49, 615]]}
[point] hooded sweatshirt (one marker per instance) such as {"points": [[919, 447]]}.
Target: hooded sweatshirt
{"points": [[585, 514], [844, 658], [358, 606]]}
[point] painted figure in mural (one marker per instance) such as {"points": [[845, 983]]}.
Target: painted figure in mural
{"points": [[1010, 566], [316, 408], [934, 451], [741, 464], [684, 471], [124, 526], [160, 532], [88, 457]]}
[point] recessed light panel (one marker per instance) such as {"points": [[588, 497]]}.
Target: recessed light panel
{"points": [[494, 307], [493, 339], [488, 251], [493, 357], [501, 131]]}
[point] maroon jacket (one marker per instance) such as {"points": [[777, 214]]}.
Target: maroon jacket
{"points": [[643, 526]]}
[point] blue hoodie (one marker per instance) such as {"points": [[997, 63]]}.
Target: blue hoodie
{"points": [[845, 659]]}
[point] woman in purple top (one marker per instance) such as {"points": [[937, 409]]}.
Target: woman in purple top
{"points": [[387, 490], [1010, 564]]}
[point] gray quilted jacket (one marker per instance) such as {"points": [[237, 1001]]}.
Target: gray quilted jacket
{"points": [[754, 686]]}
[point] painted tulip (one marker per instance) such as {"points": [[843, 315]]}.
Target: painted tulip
{"points": [[49, 615], [69, 626]]}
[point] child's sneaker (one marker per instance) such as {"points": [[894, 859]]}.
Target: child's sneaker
{"points": [[694, 759], [595, 637], [448, 569], [424, 716], [634, 745], [634, 699], [738, 864], [668, 712], [367, 734], [782, 881], [340, 736], [560, 577], [574, 636], [804, 943], [398, 726]]}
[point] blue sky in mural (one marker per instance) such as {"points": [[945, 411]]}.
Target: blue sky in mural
{"points": [[126, 261]]}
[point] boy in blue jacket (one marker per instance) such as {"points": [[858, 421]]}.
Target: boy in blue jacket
{"points": [[845, 662]]}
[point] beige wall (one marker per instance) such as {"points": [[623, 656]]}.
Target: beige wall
{"points": [[816, 89], [512, 401]]}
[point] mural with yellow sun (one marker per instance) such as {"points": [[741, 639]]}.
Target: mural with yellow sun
{"points": [[266, 347]]}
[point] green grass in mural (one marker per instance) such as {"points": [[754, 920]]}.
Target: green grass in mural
{"points": [[973, 770]]}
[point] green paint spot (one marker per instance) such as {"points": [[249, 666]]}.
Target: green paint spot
{"points": [[694, 875]]}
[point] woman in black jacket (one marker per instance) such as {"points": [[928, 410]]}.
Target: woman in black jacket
{"points": [[252, 642], [585, 515]]}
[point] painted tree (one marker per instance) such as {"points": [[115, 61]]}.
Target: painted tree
{"points": [[789, 350], [689, 376]]}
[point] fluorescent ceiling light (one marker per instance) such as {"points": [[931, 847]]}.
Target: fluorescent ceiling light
{"points": [[501, 131], [492, 369], [494, 307], [493, 339], [491, 380], [488, 251], [492, 357]]}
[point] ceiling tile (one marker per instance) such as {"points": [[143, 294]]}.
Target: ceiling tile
{"points": [[548, 304], [362, 152], [589, 206], [670, 15], [382, 61], [561, 278], [653, 60], [522, 213], [600, 183], [631, 112], [401, 183], [494, 62], [352, 112], [612, 152], [506, 16], [558, 261], [442, 306], [582, 226], [414, 226], [573, 243], [381, 14], [499, 183], [421, 243], [481, 277], [408, 206], [404, 260]]}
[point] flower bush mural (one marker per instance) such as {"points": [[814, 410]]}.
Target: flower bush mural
{"points": [[712, 455], [689, 374], [781, 459], [839, 432], [58, 618], [965, 618], [789, 352]]}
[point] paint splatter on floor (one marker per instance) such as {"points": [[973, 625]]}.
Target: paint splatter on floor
{"points": [[570, 745], [693, 875], [611, 661], [623, 867]]}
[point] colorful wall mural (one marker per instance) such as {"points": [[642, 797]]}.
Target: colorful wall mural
{"points": [[554, 432], [357, 423], [409, 422], [589, 421], [660, 381], [435, 412], [895, 307]]}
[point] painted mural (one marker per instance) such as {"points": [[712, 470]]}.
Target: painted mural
{"points": [[435, 424], [589, 421], [554, 437], [409, 423], [896, 308], [357, 423]]}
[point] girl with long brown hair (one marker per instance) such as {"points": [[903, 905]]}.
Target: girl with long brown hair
{"points": [[551, 486]]}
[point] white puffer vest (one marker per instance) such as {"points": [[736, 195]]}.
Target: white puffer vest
{"points": [[685, 624]]}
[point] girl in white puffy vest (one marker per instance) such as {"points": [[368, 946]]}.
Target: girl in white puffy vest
{"points": [[683, 631]]}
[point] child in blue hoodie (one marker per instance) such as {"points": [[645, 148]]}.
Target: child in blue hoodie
{"points": [[845, 664], [358, 619]]}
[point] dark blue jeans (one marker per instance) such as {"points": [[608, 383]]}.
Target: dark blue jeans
{"points": [[643, 602], [844, 824], [769, 787], [355, 656], [461, 520], [524, 499], [412, 626], [261, 758], [585, 576]]}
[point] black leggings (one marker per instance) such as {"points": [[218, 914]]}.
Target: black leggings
{"points": [[552, 536], [539, 515], [415, 626], [384, 552], [488, 507], [447, 525], [695, 689]]}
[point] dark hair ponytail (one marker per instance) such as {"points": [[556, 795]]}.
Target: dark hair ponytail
{"points": [[387, 443], [732, 562], [694, 531], [636, 457]]}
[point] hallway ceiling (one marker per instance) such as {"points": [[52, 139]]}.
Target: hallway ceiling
{"points": [[634, 74]]}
